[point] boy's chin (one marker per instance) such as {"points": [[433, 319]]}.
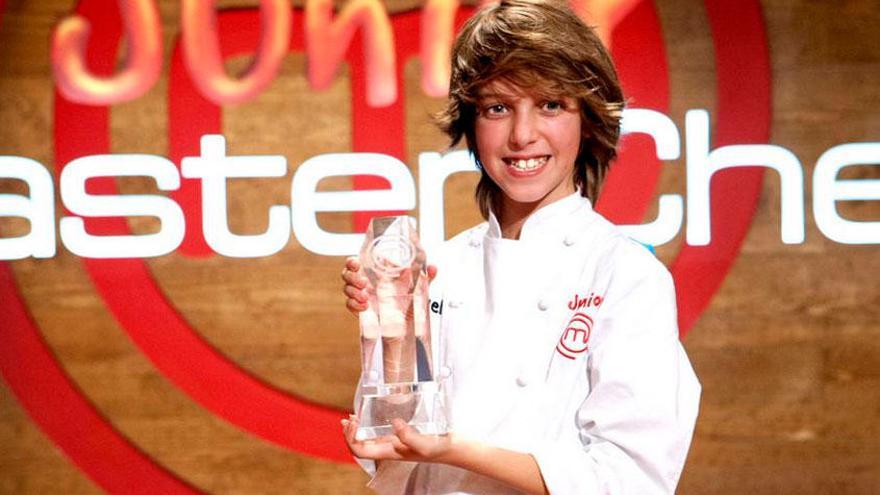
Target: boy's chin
{"points": [[526, 196]]}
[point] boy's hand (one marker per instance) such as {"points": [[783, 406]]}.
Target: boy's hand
{"points": [[355, 288], [405, 444]]}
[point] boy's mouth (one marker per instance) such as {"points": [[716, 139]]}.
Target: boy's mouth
{"points": [[527, 164]]}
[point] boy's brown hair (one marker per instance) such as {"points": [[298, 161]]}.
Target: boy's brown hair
{"points": [[543, 46]]}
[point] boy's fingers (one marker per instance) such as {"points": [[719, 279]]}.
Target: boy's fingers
{"points": [[353, 292], [349, 430], [399, 446], [354, 306], [406, 433], [354, 278], [432, 272]]}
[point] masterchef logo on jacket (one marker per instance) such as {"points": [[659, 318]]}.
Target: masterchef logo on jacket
{"points": [[576, 336]]}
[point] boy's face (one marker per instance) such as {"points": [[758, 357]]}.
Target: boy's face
{"points": [[527, 143]]}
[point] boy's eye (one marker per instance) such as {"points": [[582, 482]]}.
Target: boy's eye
{"points": [[554, 106], [494, 109]]}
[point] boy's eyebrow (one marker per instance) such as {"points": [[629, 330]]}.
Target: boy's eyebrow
{"points": [[490, 93], [548, 93], [483, 93]]}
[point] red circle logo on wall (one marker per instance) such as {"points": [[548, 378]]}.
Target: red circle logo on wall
{"points": [[217, 383]]}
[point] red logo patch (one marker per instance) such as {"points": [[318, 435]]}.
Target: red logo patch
{"points": [[576, 336]]}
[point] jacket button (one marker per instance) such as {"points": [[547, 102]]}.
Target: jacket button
{"points": [[474, 242], [454, 304], [542, 305], [445, 372], [522, 381], [568, 241]]}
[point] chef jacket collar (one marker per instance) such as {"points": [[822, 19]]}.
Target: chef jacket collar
{"points": [[553, 216]]}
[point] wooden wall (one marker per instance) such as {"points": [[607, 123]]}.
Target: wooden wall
{"points": [[788, 351]]}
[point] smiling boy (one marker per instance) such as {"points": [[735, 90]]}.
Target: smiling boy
{"points": [[546, 398]]}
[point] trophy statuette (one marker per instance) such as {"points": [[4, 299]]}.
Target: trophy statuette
{"points": [[397, 355]]}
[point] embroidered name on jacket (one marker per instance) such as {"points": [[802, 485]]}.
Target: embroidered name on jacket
{"points": [[579, 302]]}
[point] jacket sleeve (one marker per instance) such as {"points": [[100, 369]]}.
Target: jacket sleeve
{"points": [[636, 423]]}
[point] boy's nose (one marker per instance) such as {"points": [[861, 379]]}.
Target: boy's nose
{"points": [[524, 130]]}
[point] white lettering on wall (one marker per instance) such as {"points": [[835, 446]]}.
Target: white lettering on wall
{"points": [[828, 190], [667, 143], [39, 209], [304, 193], [214, 167], [434, 169], [702, 165], [79, 202]]}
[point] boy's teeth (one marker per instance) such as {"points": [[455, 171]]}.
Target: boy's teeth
{"points": [[528, 164]]}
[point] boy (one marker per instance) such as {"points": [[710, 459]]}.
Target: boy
{"points": [[567, 375]]}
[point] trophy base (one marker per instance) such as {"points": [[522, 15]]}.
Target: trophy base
{"points": [[421, 404]]}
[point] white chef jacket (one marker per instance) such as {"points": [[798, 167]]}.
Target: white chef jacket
{"points": [[564, 345]]}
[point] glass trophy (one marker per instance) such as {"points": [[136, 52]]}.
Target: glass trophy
{"points": [[398, 369]]}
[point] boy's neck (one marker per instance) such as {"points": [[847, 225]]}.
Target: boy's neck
{"points": [[512, 231], [513, 216]]}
